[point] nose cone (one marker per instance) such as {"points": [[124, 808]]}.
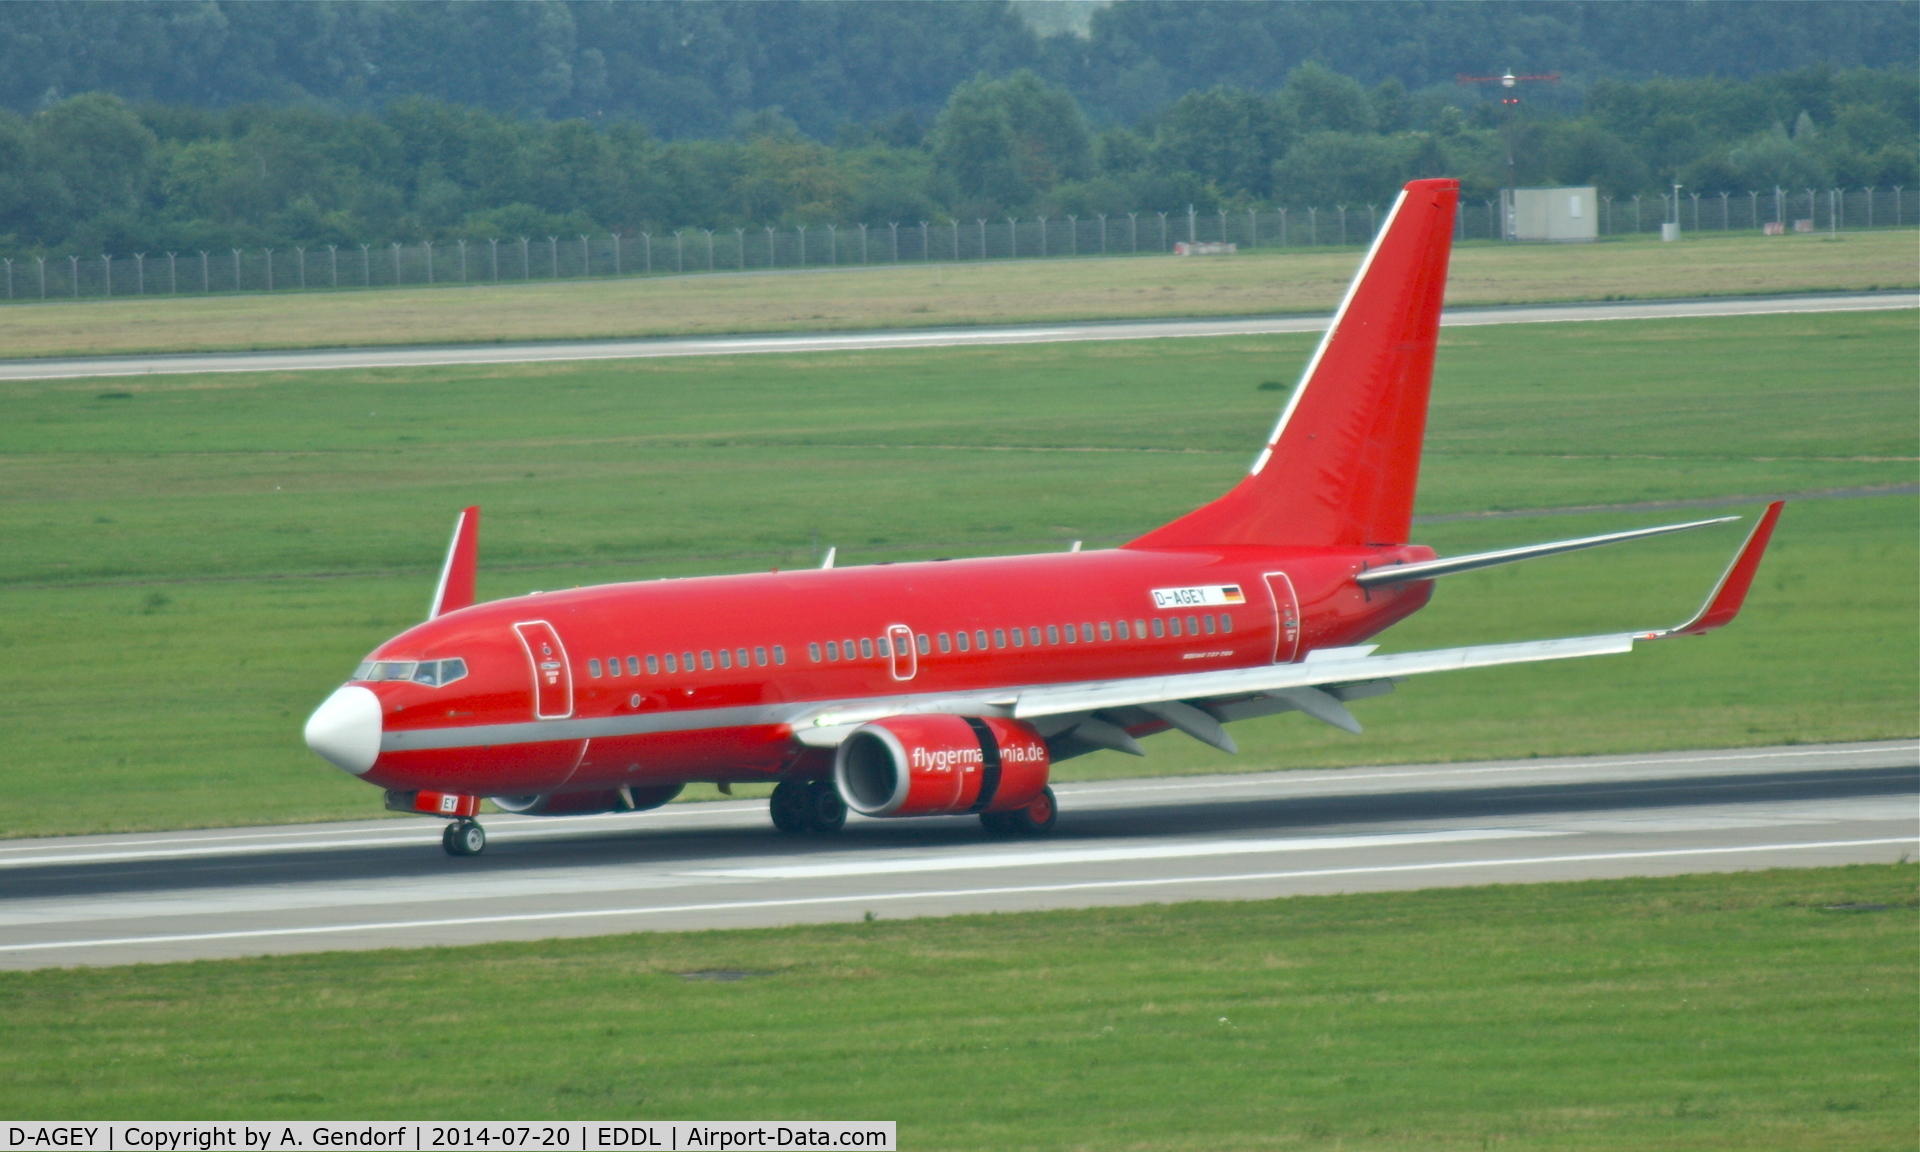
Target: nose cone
{"points": [[345, 730]]}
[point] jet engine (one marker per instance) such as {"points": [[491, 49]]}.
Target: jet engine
{"points": [[937, 765], [588, 803]]}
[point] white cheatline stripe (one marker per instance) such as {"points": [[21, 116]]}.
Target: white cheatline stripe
{"points": [[1045, 857], [947, 894]]}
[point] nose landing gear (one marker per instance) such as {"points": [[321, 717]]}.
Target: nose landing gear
{"points": [[464, 838]]}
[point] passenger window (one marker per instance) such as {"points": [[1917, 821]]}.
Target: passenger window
{"points": [[1173, 625], [1073, 636], [1193, 626], [846, 647], [920, 642], [1206, 623], [1033, 636], [866, 648], [1086, 633], [706, 659], [1139, 629], [833, 649], [760, 657], [980, 639], [999, 637], [686, 661], [1053, 634], [961, 642], [1120, 629], [883, 647], [671, 666], [633, 665], [780, 654], [613, 665], [945, 643], [813, 651], [1019, 637], [1226, 622], [1106, 630], [1159, 629], [593, 668], [740, 657], [653, 665], [725, 660]]}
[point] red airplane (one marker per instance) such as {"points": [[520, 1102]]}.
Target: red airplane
{"points": [[949, 687]]}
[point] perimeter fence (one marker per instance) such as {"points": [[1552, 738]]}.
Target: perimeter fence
{"points": [[701, 250]]}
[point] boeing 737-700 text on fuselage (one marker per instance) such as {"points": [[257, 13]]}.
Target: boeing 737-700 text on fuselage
{"points": [[952, 686]]}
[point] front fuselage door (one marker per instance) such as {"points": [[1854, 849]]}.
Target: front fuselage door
{"points": [[906, 661], [1286, 618], [552, 678]]}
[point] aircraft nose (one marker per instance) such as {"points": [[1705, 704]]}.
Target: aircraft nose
{"points": [[345, 729]]}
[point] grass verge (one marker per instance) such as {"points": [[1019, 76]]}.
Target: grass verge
{"points": [[194, 561], [932, 295], [1704, 1011]]}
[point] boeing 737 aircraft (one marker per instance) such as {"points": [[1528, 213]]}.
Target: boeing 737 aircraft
{"points": [[951, 686]]}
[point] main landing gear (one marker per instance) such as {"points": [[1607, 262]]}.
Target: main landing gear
{"points": [[464, 838], [807, 807], [1036, 819]]}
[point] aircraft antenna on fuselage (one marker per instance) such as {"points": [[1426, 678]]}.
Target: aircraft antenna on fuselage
{"points": [[1341, 464]]}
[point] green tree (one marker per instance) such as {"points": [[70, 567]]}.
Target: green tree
{"points": [[1003, 142]]}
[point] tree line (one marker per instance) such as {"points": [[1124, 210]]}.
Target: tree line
{"points": [[692, 69], [93, 173]]}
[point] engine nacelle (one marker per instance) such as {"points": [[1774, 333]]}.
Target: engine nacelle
{"points": [[588, 803], [938, 765]]}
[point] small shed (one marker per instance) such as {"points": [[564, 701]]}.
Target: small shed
{"points": [[1563, 215]]}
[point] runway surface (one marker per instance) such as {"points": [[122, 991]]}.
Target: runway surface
{"points": [[385, 883], [403, 357]]}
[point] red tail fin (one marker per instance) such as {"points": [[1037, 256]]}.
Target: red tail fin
{"points": [[455, 590], [1341, 465]]}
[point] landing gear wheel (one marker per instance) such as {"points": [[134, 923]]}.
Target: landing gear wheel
{"points": [[825, 812], [1036, 819], [464, 838], [788, 806]]}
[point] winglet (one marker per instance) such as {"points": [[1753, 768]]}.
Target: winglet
{"points": [[455, 590], [1723, 603]]}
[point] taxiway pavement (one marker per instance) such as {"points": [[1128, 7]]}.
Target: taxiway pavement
{"points": [[385, 883], [476, 354]]}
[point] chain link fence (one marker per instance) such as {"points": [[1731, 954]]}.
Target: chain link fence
{"points": [[699, 250]]}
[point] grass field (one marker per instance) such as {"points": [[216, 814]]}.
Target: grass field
{"points": [[1700, 1012], [193, 562], [929, 295]]}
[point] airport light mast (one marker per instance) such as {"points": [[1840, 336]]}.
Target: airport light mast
{"points": [[1510, 100]]}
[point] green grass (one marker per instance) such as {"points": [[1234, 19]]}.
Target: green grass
{"points": [[1700, 1012], [920, 295], [192, 562]]}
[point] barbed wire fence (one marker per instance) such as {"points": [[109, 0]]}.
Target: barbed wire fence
{"points": [[335, 267]]}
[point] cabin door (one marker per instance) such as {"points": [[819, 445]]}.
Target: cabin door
{"points": [[1286, 618], [552, 678]]}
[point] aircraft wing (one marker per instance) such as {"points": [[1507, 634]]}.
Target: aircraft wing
{"points": [[1107, 714], [1085, 715]]}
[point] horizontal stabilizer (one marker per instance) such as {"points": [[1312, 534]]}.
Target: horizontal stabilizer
{"points": [[1428, 569]]}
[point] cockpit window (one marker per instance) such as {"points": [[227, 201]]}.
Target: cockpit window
{"points": [[432, 673]]}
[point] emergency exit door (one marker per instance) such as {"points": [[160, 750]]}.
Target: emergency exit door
{"points": [[1286, 618]]}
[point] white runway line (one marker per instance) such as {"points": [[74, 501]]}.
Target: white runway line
{"points": [[936, 894], [1043, 858], [562, 351]]}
